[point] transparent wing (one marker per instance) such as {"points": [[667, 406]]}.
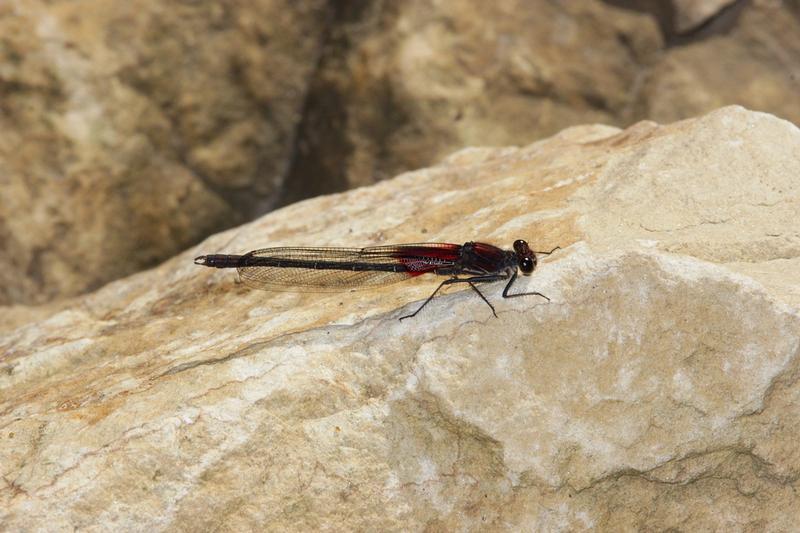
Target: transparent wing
{"points": [[337, 269], [293, 279]]}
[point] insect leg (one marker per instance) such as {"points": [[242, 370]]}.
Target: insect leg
{"points": [[511, 282], [483, 298], [473, 279]]}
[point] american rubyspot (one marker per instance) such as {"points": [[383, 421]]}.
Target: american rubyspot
{"points": [[335, 269]]}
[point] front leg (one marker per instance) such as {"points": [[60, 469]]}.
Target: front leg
{"points": [[511, 282]]}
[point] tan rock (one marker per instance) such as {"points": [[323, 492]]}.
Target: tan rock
{"points": [[657, 390], [130, 130]]}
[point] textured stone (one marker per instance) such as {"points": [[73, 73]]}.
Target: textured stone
{"points": [[657, 390], [131, 130]]}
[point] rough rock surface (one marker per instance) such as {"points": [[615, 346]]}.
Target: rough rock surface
{"points": [[657, 390], [131, 130]]}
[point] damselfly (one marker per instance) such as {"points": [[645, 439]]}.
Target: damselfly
{"points": [[308, 269]]}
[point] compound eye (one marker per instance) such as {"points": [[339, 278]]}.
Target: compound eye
{"points": [[520, 245], [526, 265]]}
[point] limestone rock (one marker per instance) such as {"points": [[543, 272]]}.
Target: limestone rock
{"points": [[657, 390], [131, 130]]}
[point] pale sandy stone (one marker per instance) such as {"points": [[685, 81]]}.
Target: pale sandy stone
{"points": [[657, 390]]}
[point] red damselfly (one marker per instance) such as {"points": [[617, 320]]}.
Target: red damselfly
{"points": [[334, 269]]}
